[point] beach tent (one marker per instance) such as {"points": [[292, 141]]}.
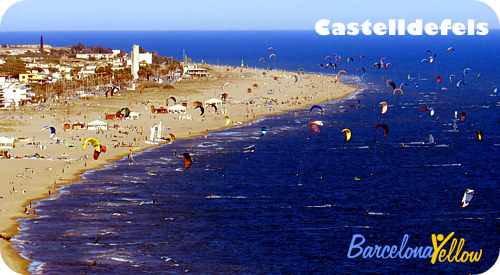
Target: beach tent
{"points": [[134, 115], [215, 101], [78, 125], [6, 143], [97, 125], [177, 109]]}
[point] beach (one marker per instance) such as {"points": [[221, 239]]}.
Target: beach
{"points": [[40, 162], [272, 195]]}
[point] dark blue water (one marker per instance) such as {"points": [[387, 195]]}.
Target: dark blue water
{"points": [[268, 211]]}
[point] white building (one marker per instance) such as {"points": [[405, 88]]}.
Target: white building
{"points": [[177, 109], [11, 94], [88, 70], [134, 115], [97, 56], [135, 61], [194, 71], [97, 125], [215, 101], [6, 143], [3, 78], [146, 58], [137, 58], [14, 51]]}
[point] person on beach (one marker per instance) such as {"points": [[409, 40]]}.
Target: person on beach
{"points": [[130, 158]]}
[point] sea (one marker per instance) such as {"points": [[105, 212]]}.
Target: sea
{"points": [[297, 203]]}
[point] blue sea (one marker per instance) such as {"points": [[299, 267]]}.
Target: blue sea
{"points": [[271, 211]]}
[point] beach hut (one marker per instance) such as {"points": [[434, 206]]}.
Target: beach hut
{"points": [[215, 101], [114, 116], [160, 110], [78, 125], [6, 143], [134, 115], [97, 125], [177, 109]]}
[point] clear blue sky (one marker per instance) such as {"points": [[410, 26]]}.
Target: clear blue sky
{"points": [[67, 15]]}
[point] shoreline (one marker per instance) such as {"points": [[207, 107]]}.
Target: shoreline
{"points": [[72, 174]]}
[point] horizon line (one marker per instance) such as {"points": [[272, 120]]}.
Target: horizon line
{"points": [[245, 30]]}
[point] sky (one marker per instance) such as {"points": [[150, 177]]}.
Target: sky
{"points": [[159, 15]]}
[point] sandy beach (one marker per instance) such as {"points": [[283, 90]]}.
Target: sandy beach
{"points": [[39, 164]]}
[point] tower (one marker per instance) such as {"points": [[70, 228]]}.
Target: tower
{"points": [[41, 44], [135, 61]]}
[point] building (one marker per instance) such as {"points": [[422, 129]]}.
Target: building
{"points": [[41, 44], [177, 109], [96, 56], [22, 49], [78, 125], [214, 101], [194, 71], [6, 143], [65, 60], [97, 125], [160, 110], [88, 70], [146, 58], [114, 116], [31, 78], [3, 78], [135, 61], [134, 115], [14, 94]]}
